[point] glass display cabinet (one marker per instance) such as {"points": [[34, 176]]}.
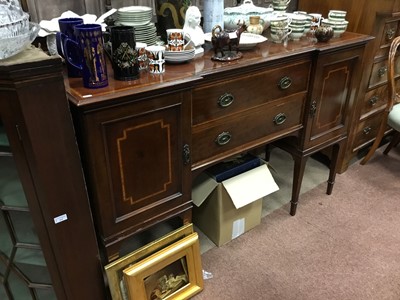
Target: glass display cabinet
{"points": [[23, 269], [45, 218]]}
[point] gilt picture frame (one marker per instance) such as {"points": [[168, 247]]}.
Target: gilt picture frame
{"points": [[174, 272], [114, 270]]}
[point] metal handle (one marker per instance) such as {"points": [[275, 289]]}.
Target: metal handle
{"points": [[280, 119], [285, 83], [313, 108], [373, 100], [382, 71], [390, 33], [367, 130], [225, 100], [186, 154], [223, 138]]}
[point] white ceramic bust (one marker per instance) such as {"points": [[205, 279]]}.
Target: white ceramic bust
{"points": [[193, 29]]}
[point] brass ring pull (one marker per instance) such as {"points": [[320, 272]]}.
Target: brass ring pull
{"points": [[313, 108], [367, 130], [373, 100], [186, 154], [226, 99], [382, 71], [223, 138], [280, 119], [285, 83]]}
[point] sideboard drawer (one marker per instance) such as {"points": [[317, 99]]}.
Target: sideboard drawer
{"points": [[216, 100], [237, 132]]}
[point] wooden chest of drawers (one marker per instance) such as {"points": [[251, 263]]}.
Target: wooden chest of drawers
{"points": [[383, 22]]}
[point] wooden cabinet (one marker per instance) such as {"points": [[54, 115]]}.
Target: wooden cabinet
{"points": [[334, 82], [46, 229], [380, 19], [336, 78], [137, 161]]}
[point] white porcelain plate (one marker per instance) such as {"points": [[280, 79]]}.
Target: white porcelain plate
{"points": [[247, 40]]}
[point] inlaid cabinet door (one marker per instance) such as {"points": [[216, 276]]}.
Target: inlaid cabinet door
{"points": [[136, 167], [336, 77]]}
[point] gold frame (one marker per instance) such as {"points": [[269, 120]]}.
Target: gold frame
{"points": [[185, 252], [114, 270]]}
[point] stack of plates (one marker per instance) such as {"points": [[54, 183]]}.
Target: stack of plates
{"points": [[146, 33], [135, 15], [179, 56], [140, 18]]}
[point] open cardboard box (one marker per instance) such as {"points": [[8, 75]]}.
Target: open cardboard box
{"points": [[225, 210]]}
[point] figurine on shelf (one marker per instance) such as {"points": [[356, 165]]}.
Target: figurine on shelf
{"points": [[193, 29], [221, 40]]}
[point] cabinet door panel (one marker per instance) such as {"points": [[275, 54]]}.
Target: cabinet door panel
{"points": [[135, 165], [336, 81], [136, 147]]}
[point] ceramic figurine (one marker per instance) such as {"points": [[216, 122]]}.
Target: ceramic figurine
{"points": [[193, 29], [221, 40]]}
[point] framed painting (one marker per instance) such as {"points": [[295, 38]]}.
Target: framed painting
{"points": [[174, 272], [114, 270]]}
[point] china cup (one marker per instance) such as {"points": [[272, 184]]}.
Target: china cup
{"points": [[156, 59], [297, 32], [280, 21], [177, 39], [278, 35], [337, 15]]}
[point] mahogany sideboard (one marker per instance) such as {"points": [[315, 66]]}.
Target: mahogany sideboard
{"points": [[143, 141]]}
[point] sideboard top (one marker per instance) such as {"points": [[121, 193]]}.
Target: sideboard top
{"points": [[181, 76]]}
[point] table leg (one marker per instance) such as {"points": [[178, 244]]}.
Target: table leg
{"points": [[298, 173]]}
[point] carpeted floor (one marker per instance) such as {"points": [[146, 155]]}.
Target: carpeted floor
{"points": [[345, 246]]}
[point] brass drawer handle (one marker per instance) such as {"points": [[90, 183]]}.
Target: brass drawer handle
{"points": [[382, 71], [280, 119], [390, 33], [285, 83], [223, 138], [373, 100], [226, 99], [367, 130]]}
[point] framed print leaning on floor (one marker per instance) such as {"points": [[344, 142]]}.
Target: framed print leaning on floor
{"points": [[174, 272], [114, 270]]}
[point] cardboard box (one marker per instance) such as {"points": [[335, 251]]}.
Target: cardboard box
{"points": [[232, 167], [224, 211]]}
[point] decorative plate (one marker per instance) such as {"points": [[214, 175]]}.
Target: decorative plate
{"points": [[247, 40]]}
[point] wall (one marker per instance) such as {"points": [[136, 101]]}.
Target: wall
{"points": [[48, 9]]}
